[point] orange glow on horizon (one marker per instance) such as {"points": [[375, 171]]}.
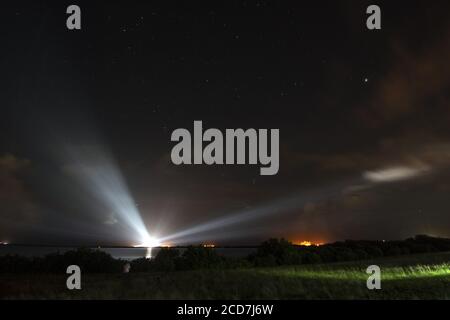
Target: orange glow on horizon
{"points": [[306, 243]]}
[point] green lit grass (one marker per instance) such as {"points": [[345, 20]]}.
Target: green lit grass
{"points": [[409, 277], [355, 273]]}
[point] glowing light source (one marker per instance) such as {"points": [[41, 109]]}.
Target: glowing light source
{"points": [[149, 242], [209, 245], [306, 243]]}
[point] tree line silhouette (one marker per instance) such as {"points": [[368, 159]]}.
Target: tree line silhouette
{"points": [[273, 252]]}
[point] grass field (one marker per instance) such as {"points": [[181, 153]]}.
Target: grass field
{"points": [[425, 276]]}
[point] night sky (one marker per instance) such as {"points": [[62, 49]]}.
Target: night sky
{"points": [[350, 103]]}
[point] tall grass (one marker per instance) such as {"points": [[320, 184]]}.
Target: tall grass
{"points": [[406, 277]]}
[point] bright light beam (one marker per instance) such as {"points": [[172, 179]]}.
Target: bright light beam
{"points": [[279, 206], [95, 169], [370, 179]]}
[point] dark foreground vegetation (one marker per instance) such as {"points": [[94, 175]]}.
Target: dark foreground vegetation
{"points": [[274, 252], [417, 268]]}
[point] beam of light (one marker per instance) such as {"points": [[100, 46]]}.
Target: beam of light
{"points": [[275, 207], [395, 173], [217, 235], [95, 169], [369, 180]]}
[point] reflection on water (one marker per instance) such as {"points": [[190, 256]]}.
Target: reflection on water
{"points": [[148, 253]]}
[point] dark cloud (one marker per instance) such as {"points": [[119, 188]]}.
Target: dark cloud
{"points": [[17, 207], [417, 84]]}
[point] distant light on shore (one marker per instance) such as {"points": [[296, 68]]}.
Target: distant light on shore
{"points": [[306, 243]]}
